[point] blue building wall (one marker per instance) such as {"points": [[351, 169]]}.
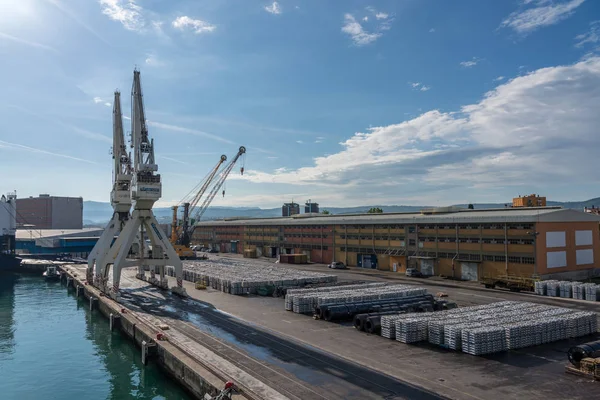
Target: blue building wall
{"points": [[75, 247]]}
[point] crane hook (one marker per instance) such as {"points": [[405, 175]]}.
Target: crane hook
{"points": [[223, 193], [242, 170]]}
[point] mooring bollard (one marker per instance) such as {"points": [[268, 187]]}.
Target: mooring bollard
{"points": [[144, 352], [114, 320], [92, 300], [79, 291], [69, 282]]}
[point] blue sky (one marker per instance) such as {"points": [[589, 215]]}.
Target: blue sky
{"points": [[343, 102]]}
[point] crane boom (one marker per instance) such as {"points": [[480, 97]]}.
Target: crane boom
{"points": [[180, 235], [120, 195], [213, 192]]}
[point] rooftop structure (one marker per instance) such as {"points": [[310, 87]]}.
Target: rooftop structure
{"points": [[532, 200]]}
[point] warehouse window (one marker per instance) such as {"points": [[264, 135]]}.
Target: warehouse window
{"points": [[499, 258], [528, 260], [487, 257], [411, 242], [514, 259]]}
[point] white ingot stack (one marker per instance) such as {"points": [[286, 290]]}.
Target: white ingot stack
{"points": [[592, 291], [578, 291], [495, 327], [565, 289], [552, 288], [388, 326], [540, 287]]}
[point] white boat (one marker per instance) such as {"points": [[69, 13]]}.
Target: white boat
{"points": [[51, 273]]}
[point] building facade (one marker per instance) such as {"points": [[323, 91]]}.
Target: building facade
{"points": [[50, 212], [75, 242], [465, 244], [289, 209]]}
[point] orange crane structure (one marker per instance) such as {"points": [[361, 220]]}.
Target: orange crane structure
{"points": [[181, 234]]}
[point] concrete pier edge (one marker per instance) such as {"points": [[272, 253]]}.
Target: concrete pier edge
{"points": [[195, 377]]}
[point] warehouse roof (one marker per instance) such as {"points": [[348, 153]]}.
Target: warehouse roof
{"points": [[27, 234], [497, 215]]}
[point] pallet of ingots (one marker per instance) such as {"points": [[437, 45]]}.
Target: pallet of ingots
{"points": [[369, 294], [388, 326], [566, 288], [592, 291], [578, 290], [310, 296], [483, 340], [243, 277], [553, 288], [524, 324]]}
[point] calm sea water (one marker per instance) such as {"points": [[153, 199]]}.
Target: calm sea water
{"points": [[53, 347]]}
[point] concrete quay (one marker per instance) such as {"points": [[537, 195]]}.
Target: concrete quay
{"points": [[196, 368]]}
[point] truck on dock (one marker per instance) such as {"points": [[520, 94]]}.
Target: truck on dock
{"points": [[512, 283]]}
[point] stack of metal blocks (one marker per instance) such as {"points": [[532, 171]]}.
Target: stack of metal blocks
{"points": [[483, 340], [388, 326], [578, 291], [307, 299], [477, 330], [361, 295], [540, 287], [412, 329], [566, 289], [304, 300], [553, 288], [243, 277], [592, 291]]}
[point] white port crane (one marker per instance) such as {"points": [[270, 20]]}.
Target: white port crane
{"points": [[120, 196], [146, 189]]}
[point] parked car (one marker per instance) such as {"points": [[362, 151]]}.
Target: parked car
{"points": [[413, 272], [213, 251], [337, 265]]}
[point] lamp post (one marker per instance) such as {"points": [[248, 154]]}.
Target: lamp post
{"points": [[534, 236]]}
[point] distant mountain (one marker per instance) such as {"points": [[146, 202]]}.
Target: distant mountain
{"points": [[98, 213]]}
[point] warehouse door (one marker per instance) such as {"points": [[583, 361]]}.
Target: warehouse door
{"points": [[468, 271], [234, 247], [427, 267]]}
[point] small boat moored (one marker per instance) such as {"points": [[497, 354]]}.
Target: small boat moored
{"points": [[51, 273]]}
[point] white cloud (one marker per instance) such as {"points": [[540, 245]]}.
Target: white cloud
{"points": [[30, 43], [543, 13], [500, 78], [381, 15], [432, 30], [419, 86], [365, 19], [98, 100], [152, 60], [127, 12], [319, 141], [470, 63], [198, 26], [535, 130], [590, 37], [107, 104], [273, 8], [299, 141], [359, 36]]}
